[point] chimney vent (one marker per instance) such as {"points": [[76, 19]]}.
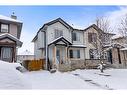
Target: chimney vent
{"points": [[13, 16]]}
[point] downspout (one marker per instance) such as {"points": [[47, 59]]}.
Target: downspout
{"points": [[46, 51]]}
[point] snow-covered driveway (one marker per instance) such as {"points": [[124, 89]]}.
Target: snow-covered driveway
{"points": [[116, 80], [89, 79], [46, 80]]}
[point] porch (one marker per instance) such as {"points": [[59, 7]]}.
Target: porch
{"points": [[61, 53], [8, 47]]}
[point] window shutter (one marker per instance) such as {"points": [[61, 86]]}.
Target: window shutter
{"points": [[71, 53], [89, 37], [78, 53], [74, 36]]}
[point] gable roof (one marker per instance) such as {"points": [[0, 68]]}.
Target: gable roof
{"points": [[59, 20], [97, 28], [60, 39], [6, 35], [52, 22]]}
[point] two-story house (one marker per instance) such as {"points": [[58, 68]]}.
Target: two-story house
{"points": [[59, 43], [10, 31]]}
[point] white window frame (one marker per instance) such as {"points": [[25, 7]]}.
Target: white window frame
{"points": [[58, 33], [4, 28], [77, 36], [75, 53]]}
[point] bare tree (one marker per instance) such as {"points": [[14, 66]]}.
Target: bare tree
{"points": [[123, 31], [123, 27], [104, 24]]}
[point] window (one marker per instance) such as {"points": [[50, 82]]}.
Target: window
{"points": [[4, 27], [92, 37], [58, 33], [7, 52], [93, 54], [74, 53], [71, 54], [75, 36]]}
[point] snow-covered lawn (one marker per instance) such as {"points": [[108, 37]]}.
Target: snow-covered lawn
{"points": [[10, 78]]}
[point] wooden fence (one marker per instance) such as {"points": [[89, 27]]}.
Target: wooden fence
{"points": [[34, 65]]}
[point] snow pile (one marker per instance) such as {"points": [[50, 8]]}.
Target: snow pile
{"points": [[10, 78], [116, 36]]}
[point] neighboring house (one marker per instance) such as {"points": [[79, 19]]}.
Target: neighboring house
{"points": [[118, 52], [60, 43], [96, 40], [25, 55], [10, 31]]}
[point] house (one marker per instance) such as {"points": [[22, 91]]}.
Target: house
{"points": [[118, 52], [25, 55], [59, 43], [10, 31], [96, 40]]}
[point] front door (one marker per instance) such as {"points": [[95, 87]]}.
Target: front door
{"points": [[6, 54], [60, 55]]}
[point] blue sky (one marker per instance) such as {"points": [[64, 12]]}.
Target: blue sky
{"points": [[33, 17]]}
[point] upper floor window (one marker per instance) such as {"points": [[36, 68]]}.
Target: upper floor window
{"points": [[92, 37], [58, 33], [75, 36], [4, 27]]}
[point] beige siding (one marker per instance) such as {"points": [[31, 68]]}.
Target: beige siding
{"points": [[89, 45], [13, 29], [7, 41]]}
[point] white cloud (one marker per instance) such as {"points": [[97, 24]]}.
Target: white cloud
{"points": [[116, 16], [26, 38]]}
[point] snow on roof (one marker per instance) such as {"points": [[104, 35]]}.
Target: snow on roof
{"points": [[116, 36], [78, 45], [124, 49], [9, 35], [55, 39], [26, 52], [58, 39], [9, 19]]}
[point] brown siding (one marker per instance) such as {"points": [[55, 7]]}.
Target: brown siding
{"points": [[13, 29]]}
